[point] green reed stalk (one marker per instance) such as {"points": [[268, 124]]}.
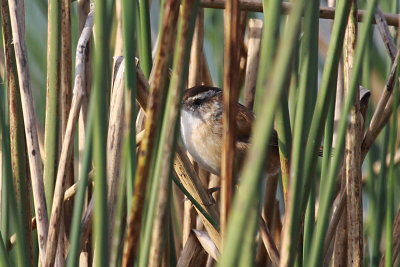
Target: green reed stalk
{"points": [[160, 190], [284, 131], [309, 224], [262, 130], [326, 198], [5, 212], [151, 129], [268, 46], [22, 244], [145, 51], [101, 59], [378, 205], [327, 88], [17, 137], [248, 246], [52, 100], [75, 233], [306, 97], [129, 20], [391, 177], [390, 180]]}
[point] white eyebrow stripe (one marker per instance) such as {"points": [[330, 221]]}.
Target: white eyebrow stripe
{"points": [[205, 94]]}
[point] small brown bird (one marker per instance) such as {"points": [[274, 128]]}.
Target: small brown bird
{"points": [[201, 130]]}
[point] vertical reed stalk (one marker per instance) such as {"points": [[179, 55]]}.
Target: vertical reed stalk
{"points": [[145, 37], [147, 146], [169, 130], [17, 135], [230, 98], [130, 25], [75, 232], [306, 95], [268, 45], [390, 231], [262, 130], [52, 98], [309, 225], [17, 12], [378, 213], [66, 96], [346, 108], [66, 151], [22, 245], [80, 84], [325, 192], [83, 10], [390, 180], [100, 221], [353, 151], [253, 54]]}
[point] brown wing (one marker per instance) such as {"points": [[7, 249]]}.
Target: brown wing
{"points": [[244, 122]]}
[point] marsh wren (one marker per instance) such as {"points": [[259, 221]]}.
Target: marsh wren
{"points": [[201, 130]]}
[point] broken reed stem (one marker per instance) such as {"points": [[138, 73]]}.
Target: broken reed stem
{"points": [[385, 104], [269, 243], [60, 181], [382, 112], [196, 53], [17, 15], [385, 33], [83, 11], [324, 12], [353, 150], [114, 139], [66, 147], [192, 253], [253, 55], [13, 238], [333, 224]]}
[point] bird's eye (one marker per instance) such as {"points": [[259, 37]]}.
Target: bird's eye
{"points": [[197, 102]]}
